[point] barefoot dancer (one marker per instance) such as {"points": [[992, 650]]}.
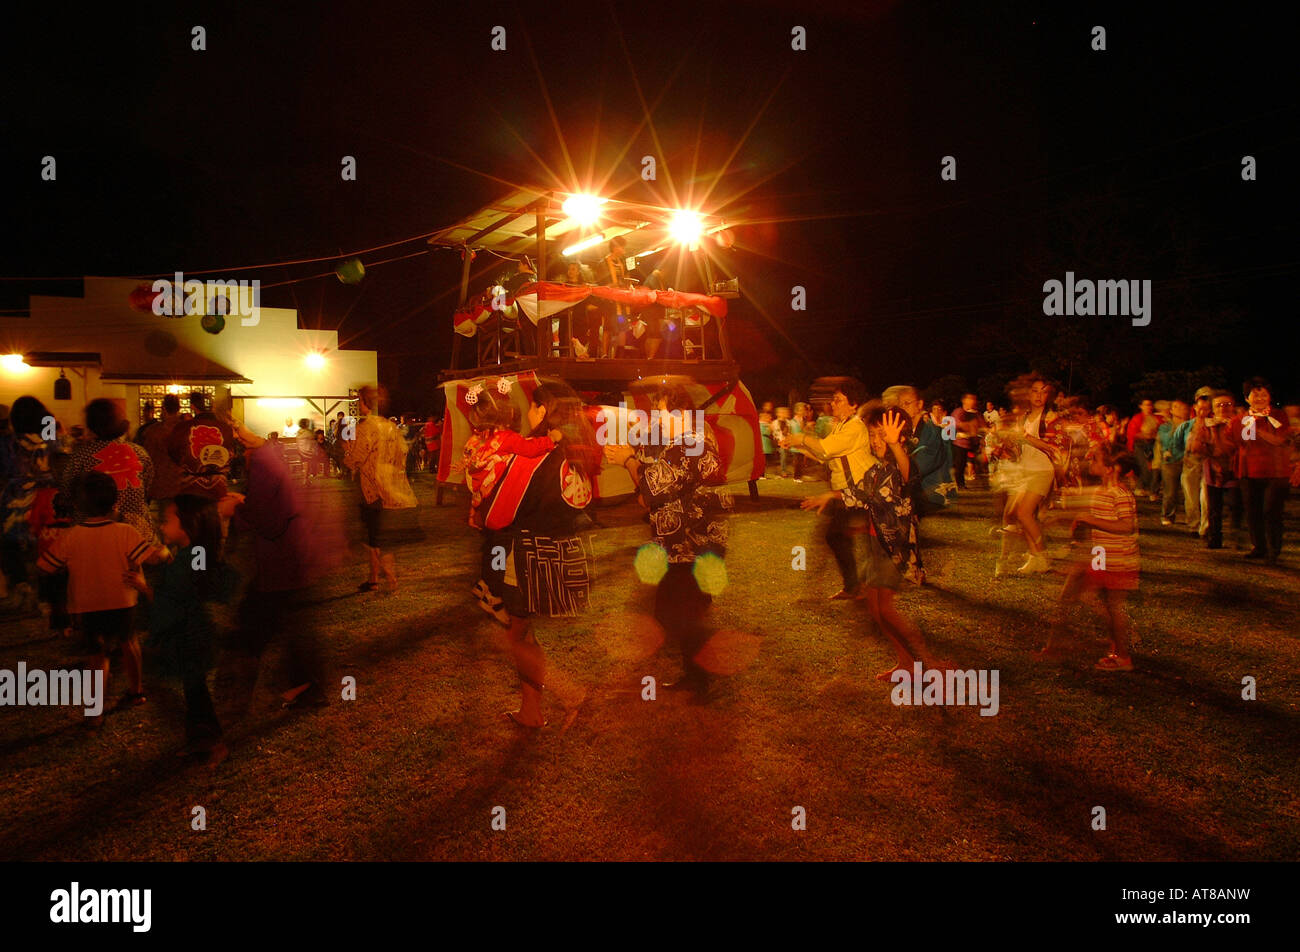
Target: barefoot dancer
{"points": [[533, 516], [891, 536], [378, 454], [1109, 562], [687, 521], [488, 454], [891, 539], [845, 451], [1038, 436]]}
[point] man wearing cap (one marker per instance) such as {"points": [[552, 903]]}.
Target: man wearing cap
{"points": [[1193, 482]]}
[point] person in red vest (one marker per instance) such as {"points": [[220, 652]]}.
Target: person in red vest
{"points": [[1263, 440]]}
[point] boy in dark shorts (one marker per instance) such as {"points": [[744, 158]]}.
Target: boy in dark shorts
{"points": [[99, 555]]}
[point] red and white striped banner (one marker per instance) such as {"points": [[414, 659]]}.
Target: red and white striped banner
{"points": [[545, 299]]}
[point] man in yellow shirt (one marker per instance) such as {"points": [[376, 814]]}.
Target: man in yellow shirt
{"points": [[378, 455], [846, 450]]}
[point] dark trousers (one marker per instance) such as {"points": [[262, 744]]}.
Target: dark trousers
{"points": [[1171, 476], [1148, 473], [53, 589], [194, 650], [961, 455], [14, 562], [682, 610], [1264, 500], [839, 536], [1215, 496]]}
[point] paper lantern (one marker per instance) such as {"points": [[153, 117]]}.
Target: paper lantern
{"points": [[351, 271], [142, 297]]}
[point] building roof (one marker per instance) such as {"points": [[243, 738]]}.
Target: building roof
{"points": [[106, 329], [509, 225]]}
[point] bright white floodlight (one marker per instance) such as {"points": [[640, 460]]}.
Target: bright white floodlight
{"points": [[686, 227], [584, 209]]}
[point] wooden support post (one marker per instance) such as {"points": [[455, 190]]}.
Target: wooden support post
{"points": [[543, 323], [468, 255], [467, 258]]}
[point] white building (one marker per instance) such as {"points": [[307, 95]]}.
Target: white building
{"points": [[266, 374]]}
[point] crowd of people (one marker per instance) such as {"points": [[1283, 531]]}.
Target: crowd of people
{"points": [[1049, 457], [115, 537], [313, 451]]}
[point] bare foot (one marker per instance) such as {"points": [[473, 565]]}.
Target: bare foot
{"points": [[516, 718]]}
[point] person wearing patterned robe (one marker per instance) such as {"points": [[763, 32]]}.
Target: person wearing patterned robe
{"points": [[891, 538], [533, 522], [127, 463], [687, 510]]}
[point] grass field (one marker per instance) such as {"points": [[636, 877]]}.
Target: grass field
{"points": [[412, 769]]}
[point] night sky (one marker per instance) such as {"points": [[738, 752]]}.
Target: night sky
{"points": [[1122, 164]]}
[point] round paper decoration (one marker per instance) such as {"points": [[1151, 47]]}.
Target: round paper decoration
{"points": [[351, 271], [141, 297]]}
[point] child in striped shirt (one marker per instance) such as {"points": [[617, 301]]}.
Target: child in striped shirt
{"points": [[99, 556], [1109, 562]]}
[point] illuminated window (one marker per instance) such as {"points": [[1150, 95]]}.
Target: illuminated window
{"points": [[156, 392]]}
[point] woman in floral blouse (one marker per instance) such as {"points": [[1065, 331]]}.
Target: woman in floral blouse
{"points": [[891, 540], [27, 489]]}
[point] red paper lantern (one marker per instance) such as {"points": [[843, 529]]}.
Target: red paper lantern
{"points": [[142, 297]]}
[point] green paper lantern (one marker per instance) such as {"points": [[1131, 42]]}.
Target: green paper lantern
{"points": [[351, 271]]}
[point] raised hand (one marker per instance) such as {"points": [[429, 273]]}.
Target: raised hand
{"points": [[891, 425]]}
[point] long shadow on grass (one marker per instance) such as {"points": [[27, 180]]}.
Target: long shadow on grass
{"points": [[964, 603], [96, 806], [72, 729], [1164, 681], [1025, 785], [447, 814]]}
